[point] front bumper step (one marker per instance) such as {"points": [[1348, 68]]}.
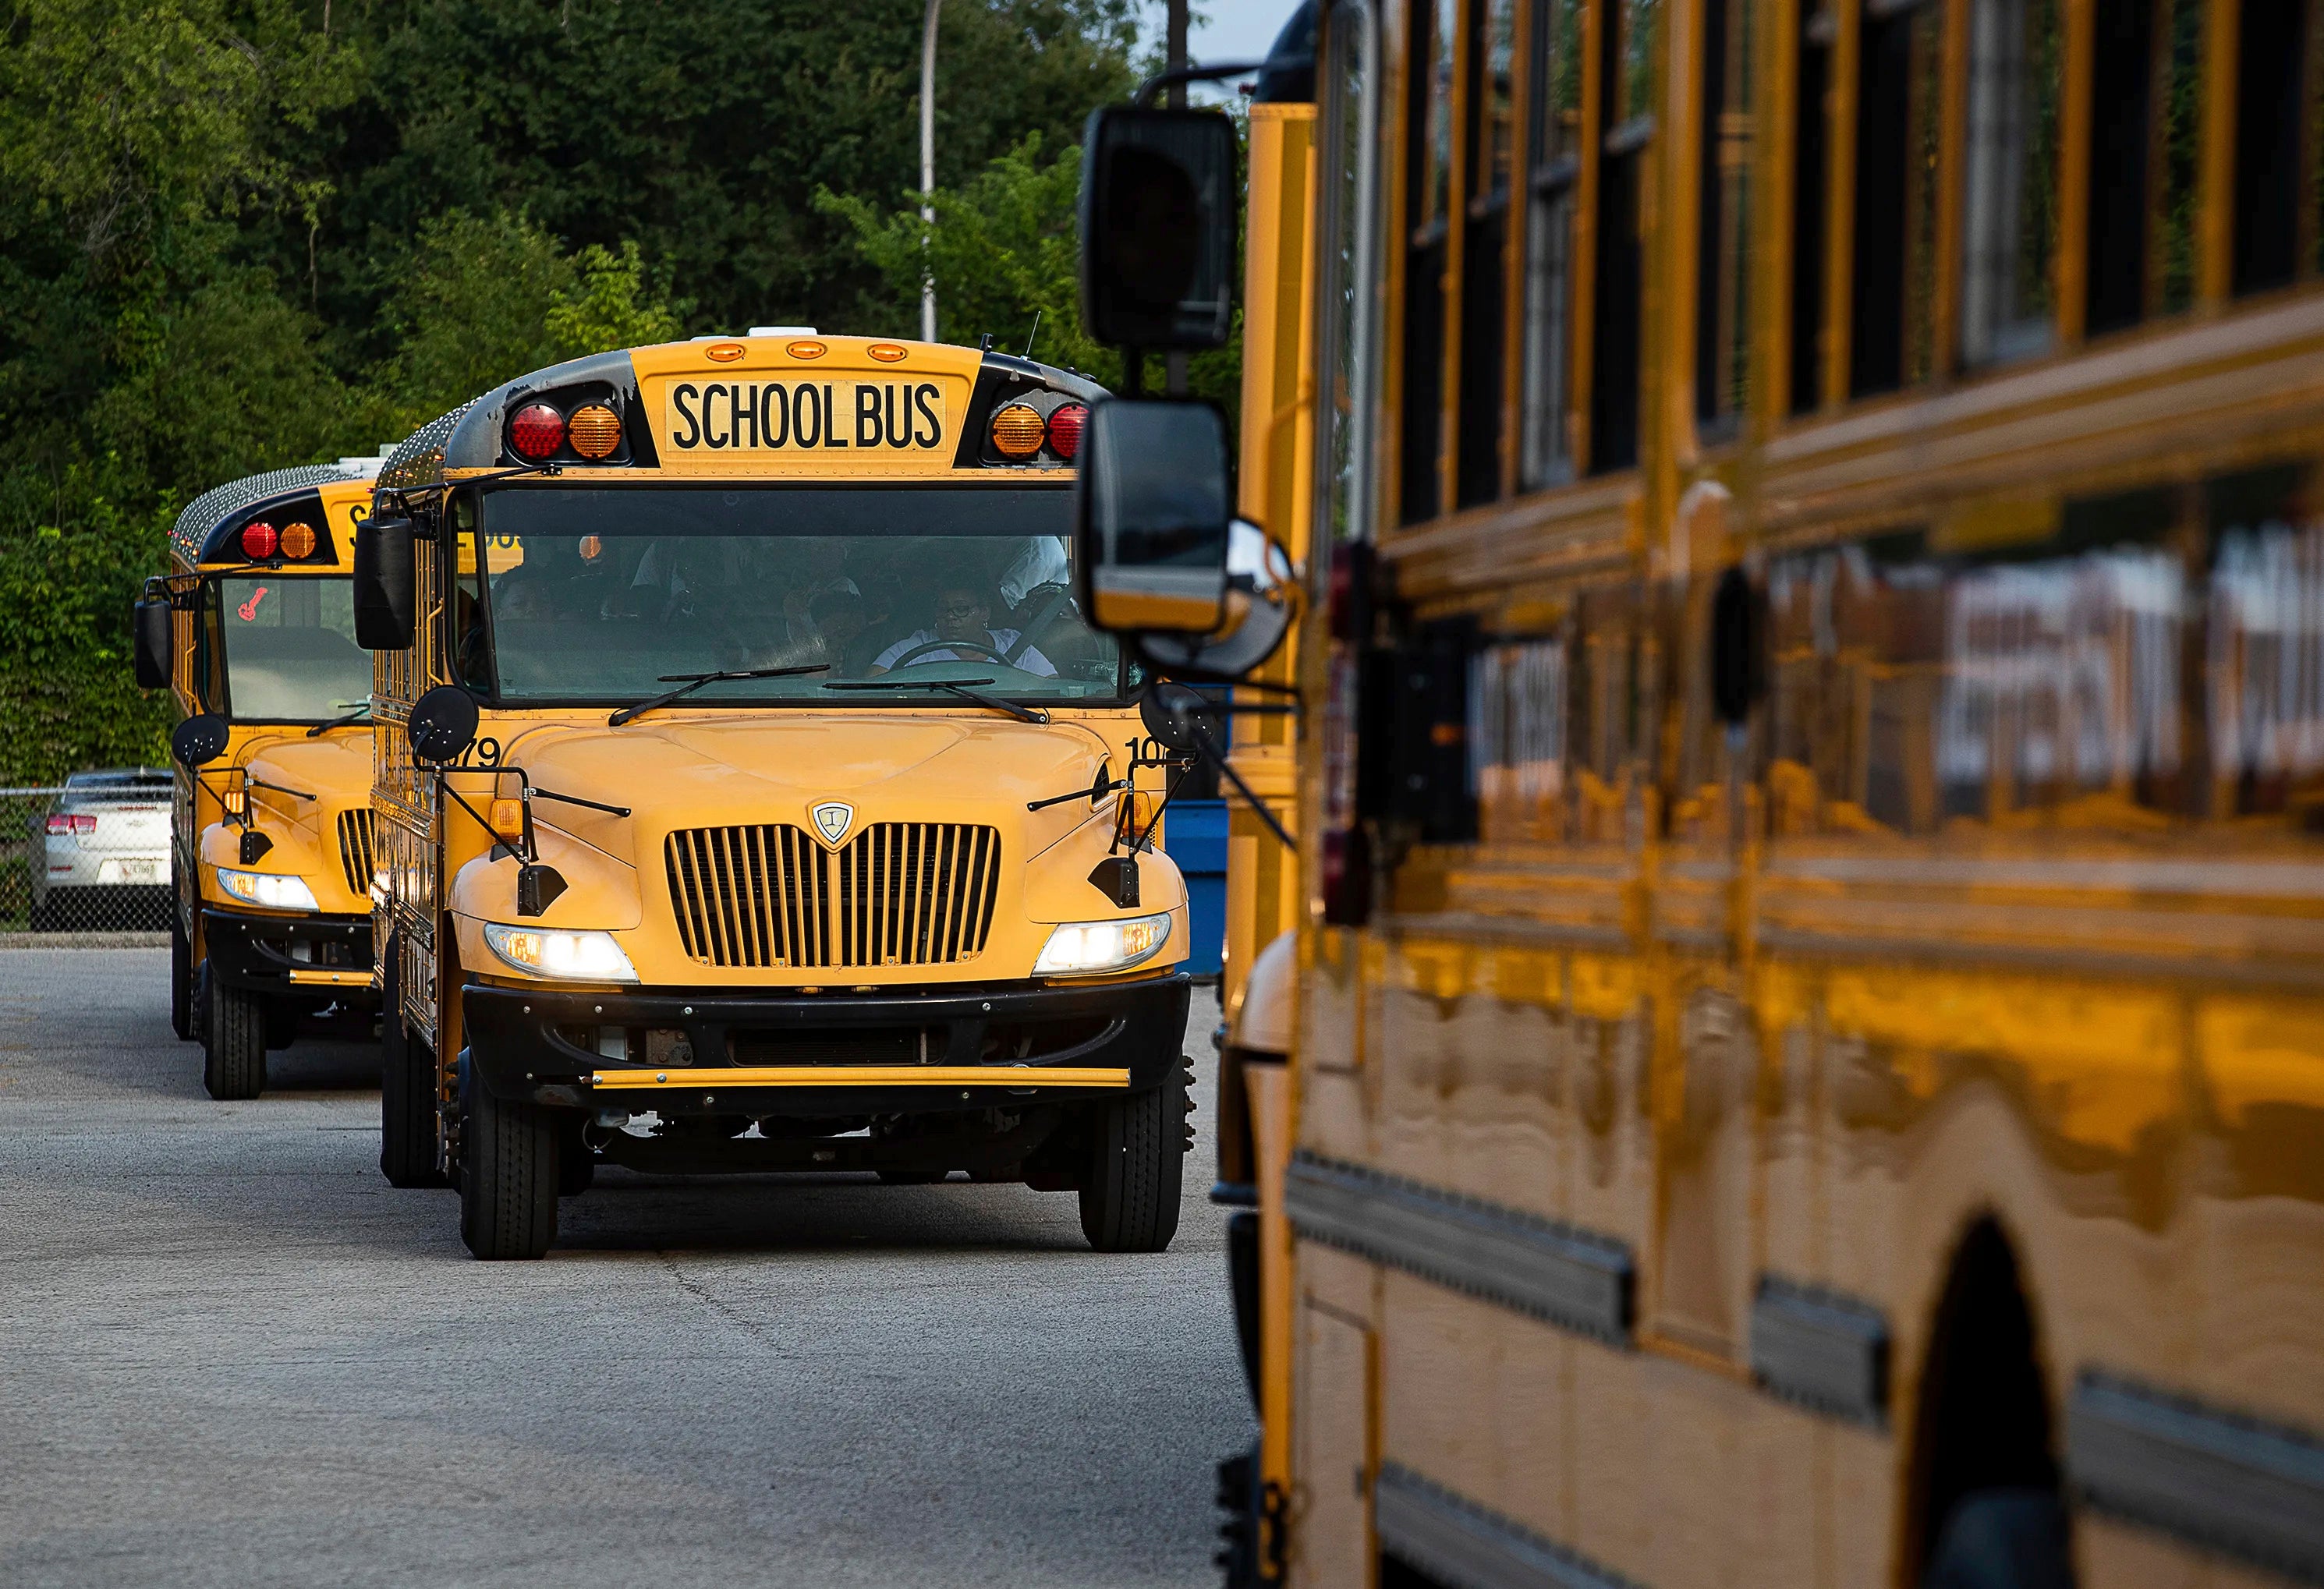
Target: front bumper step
{"points": [[1027, 1077]]}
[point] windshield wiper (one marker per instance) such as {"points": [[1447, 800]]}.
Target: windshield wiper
{"points": [[357, 715], [959, 687], [695, 681]]}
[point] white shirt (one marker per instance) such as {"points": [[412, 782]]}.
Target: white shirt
{"points": [[1029, 660]]}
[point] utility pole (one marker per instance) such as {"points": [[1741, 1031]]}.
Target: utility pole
{"points": [[1173, 365], [928, 160]]}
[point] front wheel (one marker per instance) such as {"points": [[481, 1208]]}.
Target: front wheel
{"points": [[508, 1175], [1129, 1185], [234, 1041], [407, 1096]]}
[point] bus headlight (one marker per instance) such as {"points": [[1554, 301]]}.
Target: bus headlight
{"points": [[272, 890], [583, 957], [1087, 949]]}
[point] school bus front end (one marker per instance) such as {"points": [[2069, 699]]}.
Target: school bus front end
{"points": [[753, 797], [271, 844]]}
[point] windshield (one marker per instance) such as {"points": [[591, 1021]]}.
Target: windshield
{"points": [[283, 650], [613, 595]]}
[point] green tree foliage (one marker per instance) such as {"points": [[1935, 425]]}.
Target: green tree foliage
{"points": [[236, 234], [1006, 261]]}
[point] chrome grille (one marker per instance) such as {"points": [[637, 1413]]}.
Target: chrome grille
{"points": [[900, 893], [355, 850]]}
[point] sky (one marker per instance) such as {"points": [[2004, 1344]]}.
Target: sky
{"points": [[1226, 29]]}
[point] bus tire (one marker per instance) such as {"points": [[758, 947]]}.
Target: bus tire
{"points": [[1129, 1188], [2002, 1539], [407, 1098], [234, 1041], [181, 979], [508, 1175]]}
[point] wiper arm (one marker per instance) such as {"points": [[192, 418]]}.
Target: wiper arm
{"points": [[357, 715], [959, 687], [695, 681]]}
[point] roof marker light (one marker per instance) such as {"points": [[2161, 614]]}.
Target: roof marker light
{"points": [[258, 541], [725, 353], [1018, 431], [886, 353], [537, 432], [595, 430], [806, 349]]}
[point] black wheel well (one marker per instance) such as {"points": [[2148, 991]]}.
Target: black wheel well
{"points": [[1983, 1402]]}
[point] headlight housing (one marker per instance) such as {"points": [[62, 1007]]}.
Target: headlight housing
{"points": [[268, 890], [578, 957], [1091, 948]]}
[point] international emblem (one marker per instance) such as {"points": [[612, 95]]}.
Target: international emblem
{"points": [[832, 819]]}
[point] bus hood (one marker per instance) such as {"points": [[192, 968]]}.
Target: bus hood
{"points": [[680, 771]]}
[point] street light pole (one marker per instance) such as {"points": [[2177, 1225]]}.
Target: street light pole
{"points": [[927, 168]]}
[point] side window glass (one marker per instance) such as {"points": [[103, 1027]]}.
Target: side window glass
{"points": [[1559, 723]]}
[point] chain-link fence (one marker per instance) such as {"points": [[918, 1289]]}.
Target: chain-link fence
{"points": [[89, 857]]}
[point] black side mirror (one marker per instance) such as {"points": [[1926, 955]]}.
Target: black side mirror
{"points": [[198, 741], [154, 640], [385, 590], [1175, 716], [443, 724], [1159, 205], [1155, 504]]}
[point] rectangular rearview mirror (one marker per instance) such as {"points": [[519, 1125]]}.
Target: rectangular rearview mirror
{"points": [[1156, 501], [1159, 204], [384, 584], [153, 642]]}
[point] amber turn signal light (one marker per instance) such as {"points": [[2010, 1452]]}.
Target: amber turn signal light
{"points": [[508, 820], [595, 430], [1018, 431]]}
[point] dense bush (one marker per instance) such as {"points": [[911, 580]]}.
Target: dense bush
{"points": [[236, 234]]}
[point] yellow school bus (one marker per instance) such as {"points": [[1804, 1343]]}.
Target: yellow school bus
{"points": [[253, 631], [1806, 1043], [750, 796]]}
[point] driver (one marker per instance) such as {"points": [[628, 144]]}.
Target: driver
{"points": [[964, 613]]}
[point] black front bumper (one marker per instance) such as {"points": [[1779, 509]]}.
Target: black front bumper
{"points": [[259, 954], [535, 1044]]}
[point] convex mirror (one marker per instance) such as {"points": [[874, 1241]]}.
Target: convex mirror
{"points": [[443, 724], [385, 590], [198, 741], [1159, 209]]}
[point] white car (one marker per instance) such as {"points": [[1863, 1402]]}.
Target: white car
{"points": [[105, 853]]}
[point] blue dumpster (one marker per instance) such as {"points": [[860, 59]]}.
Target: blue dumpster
{"points": [[1196, 837]]}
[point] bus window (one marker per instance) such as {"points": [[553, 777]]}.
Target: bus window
{"points": [[1723, 261], [2017, 65], [1492, 64], [1624, 145], [1899, 108], [1811, 145], [1428, 177], [1552, 167]]}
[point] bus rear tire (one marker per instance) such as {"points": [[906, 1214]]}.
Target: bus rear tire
{"points": [[407, 1098], [181, 979], [508, 1175], [2002, 1539], [234, 1041], [1129, 1186]]}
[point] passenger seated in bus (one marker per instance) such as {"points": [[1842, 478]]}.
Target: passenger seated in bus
{"points": [[837, 621], [964, 614]]}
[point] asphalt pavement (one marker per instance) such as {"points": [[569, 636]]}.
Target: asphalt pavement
{"points": [[230, 1353]]}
